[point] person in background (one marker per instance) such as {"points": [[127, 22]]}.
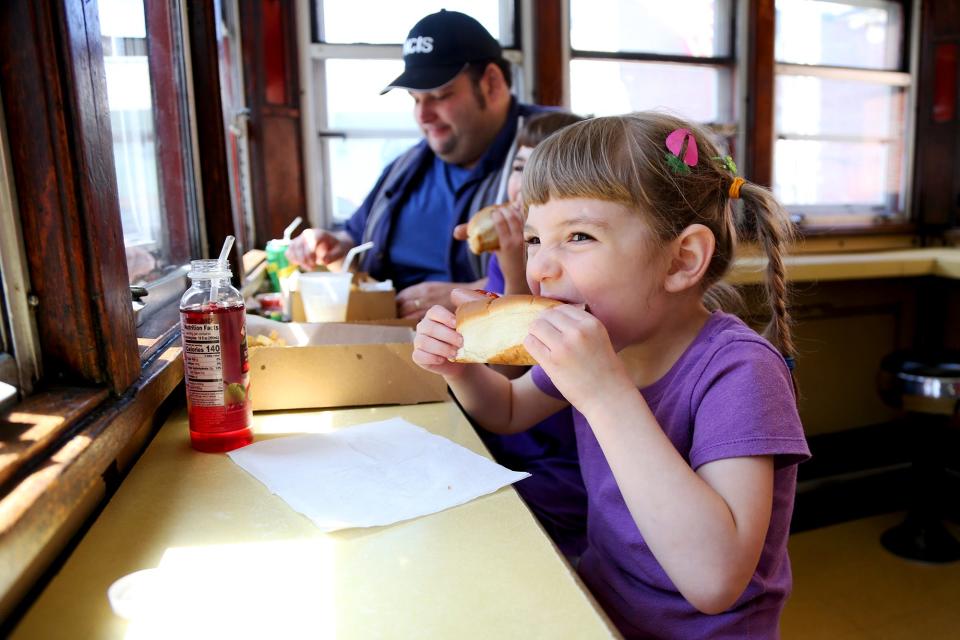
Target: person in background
{"points": [[690, 455], [460, 84], [548, 451], [506, 269]]}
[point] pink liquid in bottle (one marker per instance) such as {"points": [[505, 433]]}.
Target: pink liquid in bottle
{"points": [[217, 376]]}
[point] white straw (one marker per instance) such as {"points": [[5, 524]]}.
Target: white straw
{"points": [[221, 265], [353, 253], [225, 252], [288, 232]]}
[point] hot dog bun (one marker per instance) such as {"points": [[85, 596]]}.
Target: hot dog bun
{"points": [[482, 232], [493, 330]]}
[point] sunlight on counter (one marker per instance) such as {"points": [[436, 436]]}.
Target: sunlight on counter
{"points": [[262, 590]]}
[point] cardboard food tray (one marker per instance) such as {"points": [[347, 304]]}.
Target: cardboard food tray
{"points": [[337, 365]]}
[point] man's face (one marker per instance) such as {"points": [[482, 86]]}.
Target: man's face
{"points": [[455, 120]]}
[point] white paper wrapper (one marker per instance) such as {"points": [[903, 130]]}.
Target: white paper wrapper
{"points": [[371, 474]]}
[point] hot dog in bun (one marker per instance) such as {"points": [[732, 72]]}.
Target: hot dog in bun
{"points": [[493, 330], [482, 231]]}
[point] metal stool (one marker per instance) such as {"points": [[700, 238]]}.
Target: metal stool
{"points": [[927, 387]]}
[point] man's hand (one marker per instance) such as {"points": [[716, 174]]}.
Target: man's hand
{"points": [[316, 246], [414, 301], [461, 296]]}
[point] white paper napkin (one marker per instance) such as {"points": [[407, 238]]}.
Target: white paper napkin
{"points": [[371, 474]]}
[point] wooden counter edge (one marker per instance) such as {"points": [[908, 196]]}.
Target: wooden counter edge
{"points": [[905, 263]]}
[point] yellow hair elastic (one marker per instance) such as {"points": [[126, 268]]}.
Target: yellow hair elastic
{"points": [[735, 187]]}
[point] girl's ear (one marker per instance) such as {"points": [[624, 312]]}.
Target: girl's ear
{"points": [[690, 255]]}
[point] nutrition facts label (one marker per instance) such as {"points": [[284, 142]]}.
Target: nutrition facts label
{"points": [[203, 367]]}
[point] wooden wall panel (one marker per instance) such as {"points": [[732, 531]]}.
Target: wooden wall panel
{"points": [[548, 43], [220, 218], [282, 172], [758, 120], [272, 86]]}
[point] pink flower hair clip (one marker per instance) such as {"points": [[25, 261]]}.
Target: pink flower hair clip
{"points": [[683, 151]]}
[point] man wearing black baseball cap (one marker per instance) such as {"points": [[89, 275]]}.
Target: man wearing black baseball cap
{"points": [[460, 83], [439, 47]]}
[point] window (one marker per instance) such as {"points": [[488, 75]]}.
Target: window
{"points": [[352, 132], [123, 31], [124, 39], [152, 153], [841, 110], [631, 56], [19, 358]]}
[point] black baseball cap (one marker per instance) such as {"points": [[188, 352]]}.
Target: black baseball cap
{"points": [[439, 47]]}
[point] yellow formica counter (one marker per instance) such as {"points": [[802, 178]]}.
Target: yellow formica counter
{"points": [[904, 263], [481, 570]]}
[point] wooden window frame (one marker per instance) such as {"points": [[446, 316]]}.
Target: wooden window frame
{"points": [[103, 393]]}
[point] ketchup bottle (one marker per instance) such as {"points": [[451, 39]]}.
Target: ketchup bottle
{"points": [[215, 366]]}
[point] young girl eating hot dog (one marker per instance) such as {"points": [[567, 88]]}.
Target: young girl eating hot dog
{"points": [[689, 455]]}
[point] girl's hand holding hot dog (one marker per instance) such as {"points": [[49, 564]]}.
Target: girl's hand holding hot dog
{"points": [[574, 349], [437, 340]]}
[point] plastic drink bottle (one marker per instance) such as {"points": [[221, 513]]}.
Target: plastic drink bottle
{"points": [[278, 267], [215, 366]]}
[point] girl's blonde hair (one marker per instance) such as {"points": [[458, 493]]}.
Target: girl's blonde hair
{"points": [[623, 159]]}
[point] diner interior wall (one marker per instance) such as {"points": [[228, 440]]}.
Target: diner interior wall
{"points": [[839, 355], [842, 330]]}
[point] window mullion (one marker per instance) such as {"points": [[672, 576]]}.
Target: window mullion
{"points": [[310, 103], [848, 74], [320, 51], [639, 56]]}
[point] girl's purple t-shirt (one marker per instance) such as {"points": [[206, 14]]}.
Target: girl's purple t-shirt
{"points": [[729, 395], [548, 451], [495, 280]]}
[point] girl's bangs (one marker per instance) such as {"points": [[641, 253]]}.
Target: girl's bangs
{"points": [[581, 161]]}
